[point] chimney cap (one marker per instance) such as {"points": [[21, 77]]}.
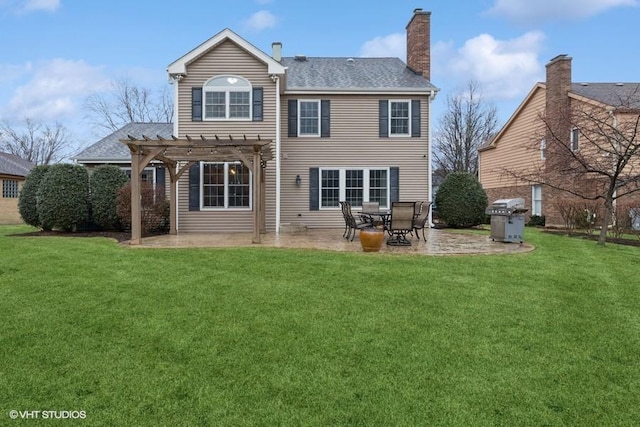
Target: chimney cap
{"points": [[561, 57]]}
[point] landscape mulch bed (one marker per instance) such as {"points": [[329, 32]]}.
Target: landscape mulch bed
{"points": [[119, 236], [595, 236]]}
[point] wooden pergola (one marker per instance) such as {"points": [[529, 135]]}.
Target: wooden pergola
{"points": [[179, 154]]}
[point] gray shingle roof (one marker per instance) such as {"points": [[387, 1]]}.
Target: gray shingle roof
{"points": [[110, 148], [10, 164], [382, 74], [615, 94]]}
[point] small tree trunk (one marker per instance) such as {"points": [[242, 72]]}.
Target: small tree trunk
{"points": [[608, 214]]}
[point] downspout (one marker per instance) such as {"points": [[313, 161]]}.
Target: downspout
{"points": [[277, 80], [432, 96], [176, 82]]}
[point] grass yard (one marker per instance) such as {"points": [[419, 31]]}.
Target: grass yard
{"points": [[260, 336]]}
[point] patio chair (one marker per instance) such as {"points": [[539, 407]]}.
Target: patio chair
{"points": [[420, 222], [370, 207], [351, 222], [401, 223]]}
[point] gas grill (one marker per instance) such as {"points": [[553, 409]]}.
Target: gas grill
{"points": [[507, 220]]}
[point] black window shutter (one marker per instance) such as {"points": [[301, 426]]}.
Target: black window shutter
{"points": [[394, 182], [196, 104], [415, 118], [325, 118], [314, 189], [384, 118], [257, 104], [293, 117], [160, 176], [194, 187]]}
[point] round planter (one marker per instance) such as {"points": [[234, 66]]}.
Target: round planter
{"points": [[371, 239]]}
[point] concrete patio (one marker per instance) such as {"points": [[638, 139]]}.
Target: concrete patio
{"points": [[439, 242]]}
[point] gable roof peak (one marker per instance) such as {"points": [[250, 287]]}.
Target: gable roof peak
{"points": [[178, 67]]}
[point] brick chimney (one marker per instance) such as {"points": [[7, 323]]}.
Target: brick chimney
{"points": [[558, 104], [558, 83], [419, 43]]}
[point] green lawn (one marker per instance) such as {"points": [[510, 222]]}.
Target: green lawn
{"points": [[260, 336]]}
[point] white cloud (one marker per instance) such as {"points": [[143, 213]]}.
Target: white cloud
{"points": [[534, 12], [506, 69], [54, 90], [261, 20], [393, 45], [26, 6], [46, 5]]}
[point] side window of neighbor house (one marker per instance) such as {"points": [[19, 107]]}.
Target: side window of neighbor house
{"points": [[227, 98], [543, 149], [9, 189], [536, 200], [575, 139]]}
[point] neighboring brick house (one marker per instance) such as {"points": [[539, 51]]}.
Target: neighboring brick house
{"points": [[521, 144], [13, 172], [325, 130]]}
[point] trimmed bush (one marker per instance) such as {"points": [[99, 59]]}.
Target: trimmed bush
{"points": [[461, 200], [63, 197], [28, 199], [105, 181], [155, 208]]}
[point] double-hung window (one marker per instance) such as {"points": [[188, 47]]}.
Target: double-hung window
{"points": [[225, 186], [399, 118], [354, 186], [536, 200], [575, 139], [309, 118], [227, 98]]}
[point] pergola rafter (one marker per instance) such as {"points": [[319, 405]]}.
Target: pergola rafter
{"points": [[179, 154]]}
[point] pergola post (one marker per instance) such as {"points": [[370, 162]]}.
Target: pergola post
{"points": [[173, 200], [257, 193], [136, 209]]}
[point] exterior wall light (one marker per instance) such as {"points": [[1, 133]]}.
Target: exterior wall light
{"points": [[298, 181]]}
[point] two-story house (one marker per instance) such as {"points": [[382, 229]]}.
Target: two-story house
{"points": [[577, 117], [262, 141]]}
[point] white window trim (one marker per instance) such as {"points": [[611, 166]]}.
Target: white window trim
{"points": [[533, 200], [399, 135], [343, 187], [226, 91], [147, 169], [574, 131], [226, 189], [543, 149], [309, 135]]}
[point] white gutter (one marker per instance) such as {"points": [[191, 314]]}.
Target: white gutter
{"points": [[277, 80], [432, 96]]}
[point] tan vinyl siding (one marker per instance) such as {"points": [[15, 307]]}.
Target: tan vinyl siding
{"points": [[518, 147], [354, 143], [225, 59]]}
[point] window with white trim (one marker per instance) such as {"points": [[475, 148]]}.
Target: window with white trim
{"points": [[10, 188], [225, 186], [543, 149], [227, 98], [575, 139], [309, 117], [536, 200], [354, 185], [400, 118]]}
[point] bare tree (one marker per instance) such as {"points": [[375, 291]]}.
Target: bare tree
{"points": [[128, 103], [38, 142], [468, 122], [592, 153]]}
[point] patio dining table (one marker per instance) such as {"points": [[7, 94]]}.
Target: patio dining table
{"points": [[378, 217]]}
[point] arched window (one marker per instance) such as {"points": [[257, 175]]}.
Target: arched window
{"points": [[227, 98]]}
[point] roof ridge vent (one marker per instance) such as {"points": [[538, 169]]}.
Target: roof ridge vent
{"points": [[300, 58], [619, 84], [584, 84], [350, 61]]}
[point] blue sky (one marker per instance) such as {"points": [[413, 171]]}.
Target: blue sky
{"points": [[54, 53]]}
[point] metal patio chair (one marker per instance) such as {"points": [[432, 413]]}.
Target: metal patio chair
{"points": [[351, 222], [401, 223], [420, 221]]}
